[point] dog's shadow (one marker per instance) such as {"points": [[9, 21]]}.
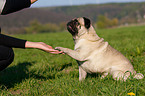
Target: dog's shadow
{"points": [[93, 75], [65, 66], [16, 74]]}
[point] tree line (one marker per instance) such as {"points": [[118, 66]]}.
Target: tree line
{"points": [[51, 19]]}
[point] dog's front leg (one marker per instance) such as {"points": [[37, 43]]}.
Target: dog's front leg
{"points": [[74, 54], [82, 74]]}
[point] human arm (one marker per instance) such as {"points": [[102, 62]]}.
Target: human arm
{"points": [[15, 5], [11, 41], [20, 43]]}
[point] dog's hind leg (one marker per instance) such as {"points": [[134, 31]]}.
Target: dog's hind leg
{"points": [[120, 75], [82, 74]]}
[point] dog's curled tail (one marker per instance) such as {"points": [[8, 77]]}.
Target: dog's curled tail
{"points": [[139, 76]]}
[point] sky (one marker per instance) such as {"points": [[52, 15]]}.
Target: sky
{"points": [[50, 3]]}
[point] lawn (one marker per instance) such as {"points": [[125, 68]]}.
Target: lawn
{"points": [[37, 73]]}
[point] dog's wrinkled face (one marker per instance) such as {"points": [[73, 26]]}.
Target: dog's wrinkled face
{"points": [[75, 25]]}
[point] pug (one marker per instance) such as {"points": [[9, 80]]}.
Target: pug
{"points": [[94, 55]]}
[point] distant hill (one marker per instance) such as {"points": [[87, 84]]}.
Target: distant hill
{"points": [[125, 12]]}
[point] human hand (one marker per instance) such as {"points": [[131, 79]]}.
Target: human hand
{"points": [[48, 48], [42, 46]]}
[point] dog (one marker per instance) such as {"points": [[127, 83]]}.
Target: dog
{"points": [[94, 55]]}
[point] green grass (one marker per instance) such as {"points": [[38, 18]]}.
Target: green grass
{"points": [[37, 73]]}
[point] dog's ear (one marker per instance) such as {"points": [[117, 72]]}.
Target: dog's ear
{"points": [[87, 22]]}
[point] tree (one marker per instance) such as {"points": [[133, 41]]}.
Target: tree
{"points": [[34, 27], [104, 22]]}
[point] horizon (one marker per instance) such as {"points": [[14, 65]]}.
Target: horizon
{"points": [[57, 3]]}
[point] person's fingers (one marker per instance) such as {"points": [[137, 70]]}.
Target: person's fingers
{"points": [[56, 52], [49, 46], [53, 50]]}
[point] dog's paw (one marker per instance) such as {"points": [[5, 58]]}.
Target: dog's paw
{"points": [[58, 48]]}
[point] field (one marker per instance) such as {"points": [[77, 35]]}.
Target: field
{"points": [[37, 73]]}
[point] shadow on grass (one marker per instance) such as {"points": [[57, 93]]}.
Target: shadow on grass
{"points": [[65, 66], [93, 75], [16, 74]]}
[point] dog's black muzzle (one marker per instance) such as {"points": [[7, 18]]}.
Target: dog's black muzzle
{"points": [[72, 27]]}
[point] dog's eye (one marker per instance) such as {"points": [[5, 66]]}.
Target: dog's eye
{"points": [[80, 26]]}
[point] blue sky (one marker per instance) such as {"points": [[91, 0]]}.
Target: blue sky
{"points": [[48, 3]]}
